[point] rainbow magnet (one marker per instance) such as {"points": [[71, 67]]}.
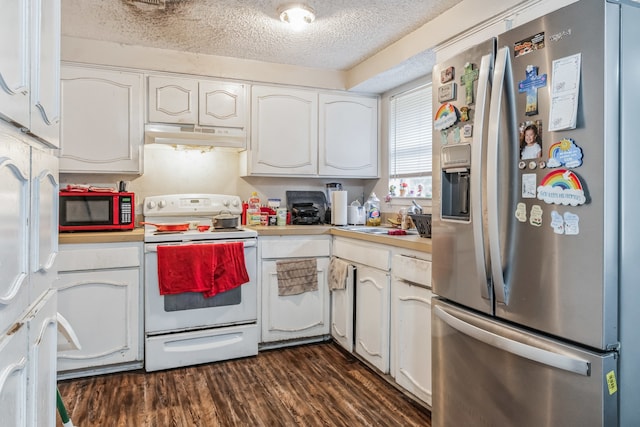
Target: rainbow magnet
{"points": [[565, 153], [561, 187], [445, 117]]}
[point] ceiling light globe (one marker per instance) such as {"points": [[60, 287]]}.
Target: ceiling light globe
{"points": [[297, 15]]}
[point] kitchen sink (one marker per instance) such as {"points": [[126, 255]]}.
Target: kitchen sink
{"points": [[375, 230]]}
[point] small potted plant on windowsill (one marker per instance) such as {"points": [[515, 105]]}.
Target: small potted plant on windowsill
{"points": [[403, 188]]}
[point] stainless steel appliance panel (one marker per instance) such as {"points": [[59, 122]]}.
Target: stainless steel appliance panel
{"points": [[517, 378], [559, 284], [460, 272]]}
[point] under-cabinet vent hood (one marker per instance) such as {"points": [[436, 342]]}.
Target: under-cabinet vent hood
{"points": [[194, 135]]}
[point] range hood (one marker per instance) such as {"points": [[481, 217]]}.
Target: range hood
{"points": [[160, 133]]}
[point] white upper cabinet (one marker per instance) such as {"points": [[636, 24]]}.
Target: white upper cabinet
{"points": [[297, 132], [102, 125], [173, 100], [222, 104], [30, 67], [348, 136], [284, 131]]}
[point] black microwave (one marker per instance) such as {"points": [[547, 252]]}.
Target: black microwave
{"points": [[96, 211]]}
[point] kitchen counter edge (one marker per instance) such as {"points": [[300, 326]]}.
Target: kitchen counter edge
{"points": [[137, 235]]}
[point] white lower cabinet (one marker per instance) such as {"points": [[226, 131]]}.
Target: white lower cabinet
{"points": [[300, 316], [342, 306], [372, 316], [411, 324], [372, 286], [99, 288]]}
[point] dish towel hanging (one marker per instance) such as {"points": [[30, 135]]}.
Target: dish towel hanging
{"points": [[297, 276], [337, 274], [206, 268]]}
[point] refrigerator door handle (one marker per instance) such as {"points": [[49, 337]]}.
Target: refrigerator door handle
{"points": [[502, 79], [482, 266], [545, 357]]}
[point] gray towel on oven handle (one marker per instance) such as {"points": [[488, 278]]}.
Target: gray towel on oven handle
{"points": [[297, 276], [338, 274]]}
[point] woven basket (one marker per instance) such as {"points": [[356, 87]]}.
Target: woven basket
{"points": [[423, 224]]}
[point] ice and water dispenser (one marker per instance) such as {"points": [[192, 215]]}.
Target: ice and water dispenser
{"points": [[455, 164]]}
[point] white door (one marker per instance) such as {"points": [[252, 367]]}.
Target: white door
{"points": [[342, 313], [372, 316], [173, 100], [348, 133], [222, 104], [411, 338], [13, 377], [45, 70], [284, 131], [14, 61], [44, 221], [14, 211], [294, 316]]}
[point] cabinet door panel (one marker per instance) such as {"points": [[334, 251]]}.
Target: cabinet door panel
{"points": [[13, 377], [342, 313], [222, 104], [173, 100], [411, 331], [14, 211], [372, 316], [348, 136], [102, 308], [102, 125], [14, 61], [45, 71], [284, 129], [294, 316]]}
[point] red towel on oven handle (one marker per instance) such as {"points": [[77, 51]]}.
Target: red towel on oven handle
{"points": [[231, 270], [206, 268]]}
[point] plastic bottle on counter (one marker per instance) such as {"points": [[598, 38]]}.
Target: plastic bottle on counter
{"points": [[372, 208], [253, 210]]}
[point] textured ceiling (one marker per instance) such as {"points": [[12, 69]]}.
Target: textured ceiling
{"points": [[344, 33]]}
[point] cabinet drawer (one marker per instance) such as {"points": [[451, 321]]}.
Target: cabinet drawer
{"points": [[411, 269], [361, 252], [296, 247], [79, 258]]}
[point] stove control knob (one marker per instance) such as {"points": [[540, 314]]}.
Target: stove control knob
{"points": [[151, 204], [236, 203], [162, 204], [226, 203]]}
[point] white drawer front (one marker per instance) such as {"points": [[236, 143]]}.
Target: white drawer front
{"points": [[295, 247], [411, 269], [98, 259], [362, 253]]}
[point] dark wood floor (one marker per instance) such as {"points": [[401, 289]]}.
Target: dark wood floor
{"points": [[311, 385]]}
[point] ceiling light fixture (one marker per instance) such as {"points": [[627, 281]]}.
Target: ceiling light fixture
{"points": [[297, 15]]}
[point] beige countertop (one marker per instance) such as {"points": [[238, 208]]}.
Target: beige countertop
{"points": [[408, 242], [135, 235]]}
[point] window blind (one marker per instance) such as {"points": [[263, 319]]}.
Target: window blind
{"points": [[410, 133]]}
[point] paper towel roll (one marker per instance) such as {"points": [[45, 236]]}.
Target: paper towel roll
{"points": [[339, 207]]}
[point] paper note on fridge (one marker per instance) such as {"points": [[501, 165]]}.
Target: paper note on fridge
{"points": [[565, 88]]}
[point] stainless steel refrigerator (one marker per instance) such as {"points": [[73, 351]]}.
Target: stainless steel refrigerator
{"points": [[536, 205]]}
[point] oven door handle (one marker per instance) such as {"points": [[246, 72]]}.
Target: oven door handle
{"points": [[153, 247]]}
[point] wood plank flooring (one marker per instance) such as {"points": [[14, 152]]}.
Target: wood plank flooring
{"points": [[310, 385]]}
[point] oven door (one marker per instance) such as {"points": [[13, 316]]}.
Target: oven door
{"points": [[190, 310]]}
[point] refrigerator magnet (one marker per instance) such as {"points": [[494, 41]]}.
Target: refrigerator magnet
{"points": [[456, 135], [467, 131], [444, 137], [447, 74], [535, 216], [565, 153], [529, 186], [521, 212], [571, 224], [530, 86], [464, 113], [445, 117], [447, 92], [561, 187], [470, 75], [557, 222]]}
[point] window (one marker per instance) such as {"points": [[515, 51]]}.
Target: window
{"points": [[410, 143]]}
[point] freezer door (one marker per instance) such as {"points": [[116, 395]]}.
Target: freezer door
{"points": [[486, 373], [460, 265], [554, 263]]}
